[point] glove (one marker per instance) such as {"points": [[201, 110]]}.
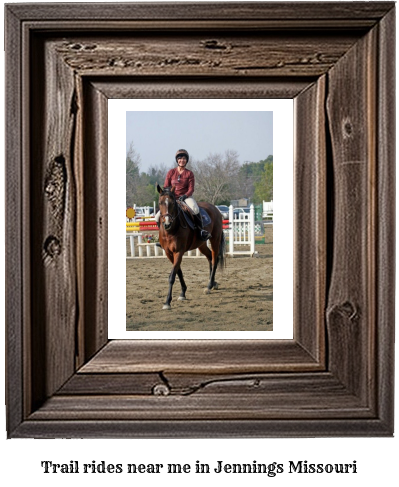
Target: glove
{"points": [[183, 197]]}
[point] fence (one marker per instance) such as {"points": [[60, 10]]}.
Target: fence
{"points": [[241, 232], [267, 210], [238, 232], [139, 248]]}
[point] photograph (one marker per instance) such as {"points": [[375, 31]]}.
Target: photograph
{"points": [[199, 220]]}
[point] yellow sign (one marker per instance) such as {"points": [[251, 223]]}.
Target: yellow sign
{"points": [[130, 212]]}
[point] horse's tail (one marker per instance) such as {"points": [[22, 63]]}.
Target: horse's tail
{"points": [[222, 252]]}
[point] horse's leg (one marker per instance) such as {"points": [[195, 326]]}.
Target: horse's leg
{"points": [[172, 276], [212, 283], [204, 249], [182, 296], [212, 257]]}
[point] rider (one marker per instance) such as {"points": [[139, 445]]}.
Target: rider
{"points": [[183, 181]]}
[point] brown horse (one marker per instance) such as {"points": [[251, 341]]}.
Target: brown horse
{"points": [[176, 237]]}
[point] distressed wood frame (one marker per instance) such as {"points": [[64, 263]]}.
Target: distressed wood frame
{"points": [[63, 62]]}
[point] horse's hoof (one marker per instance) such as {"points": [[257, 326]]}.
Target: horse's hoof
{"points": [[181, 298], [166, 306], [215, 286], [207, 291]]}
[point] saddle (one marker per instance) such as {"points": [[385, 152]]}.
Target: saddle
{"points": [[189, 215]]}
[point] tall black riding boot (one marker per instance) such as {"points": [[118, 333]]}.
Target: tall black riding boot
{"points": [[203, 234]]}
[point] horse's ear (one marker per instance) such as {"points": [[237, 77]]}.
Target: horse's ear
{"points": [[159, 189], [172, 189]]}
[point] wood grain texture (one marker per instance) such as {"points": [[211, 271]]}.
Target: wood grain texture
{"points": [[176, 87], [191, 428], [310, 200], [239, 55], [351, 306], [335, 377], [200, 356], [15, 257], [95, 202], [248, 405], [53, 212], [385, 245], [185, 384], [359, 13]]}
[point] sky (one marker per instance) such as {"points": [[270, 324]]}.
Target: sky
{"points": [[157, 136]]}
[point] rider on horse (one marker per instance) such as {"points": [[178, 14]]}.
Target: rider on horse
{"points": [[183, 181]]}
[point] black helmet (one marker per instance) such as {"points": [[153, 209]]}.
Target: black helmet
{"points": [[182, 152]]}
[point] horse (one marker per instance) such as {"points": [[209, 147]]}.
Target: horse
{"points": [[177, 237]]}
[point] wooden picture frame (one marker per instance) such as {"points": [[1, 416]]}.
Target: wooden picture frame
{"points": [[335, 378]]}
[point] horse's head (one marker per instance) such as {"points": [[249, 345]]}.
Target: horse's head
{"points": [[167, 205]]}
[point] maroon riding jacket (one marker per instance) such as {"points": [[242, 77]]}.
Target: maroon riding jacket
{"points": [[183, 183]]}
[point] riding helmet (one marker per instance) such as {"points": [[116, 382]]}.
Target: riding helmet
{"points": [[182, 152]]}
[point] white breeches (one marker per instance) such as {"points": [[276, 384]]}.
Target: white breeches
{"points": [[189, 202]]}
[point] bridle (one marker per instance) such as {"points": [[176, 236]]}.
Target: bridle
{"points": [[171, 217]]}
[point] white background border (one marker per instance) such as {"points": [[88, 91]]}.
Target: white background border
{"points": [[282, 227]]}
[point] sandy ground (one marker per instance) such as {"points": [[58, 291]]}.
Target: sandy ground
{"points": [[243, 302]]}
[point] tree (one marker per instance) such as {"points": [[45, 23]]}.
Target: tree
{"points": [[140, 186], [264, 187], [132, 175], [154, 175], [219, 178], [251, 174], [216, 176]]}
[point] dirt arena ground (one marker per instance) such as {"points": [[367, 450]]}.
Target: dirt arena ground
{"points": [[243, 302]]}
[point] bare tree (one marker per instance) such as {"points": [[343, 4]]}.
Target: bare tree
{"points": [[132, 174], [157, 174], [215, 176], [246, 182], [140, 186]]}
